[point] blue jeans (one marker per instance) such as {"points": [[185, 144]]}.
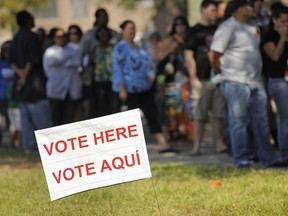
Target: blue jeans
{"points": [[34, 116], [278, 89], [248, 105]]}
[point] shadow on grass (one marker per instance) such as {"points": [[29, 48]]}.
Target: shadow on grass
{"points": [[203, 171], [15, 157]]}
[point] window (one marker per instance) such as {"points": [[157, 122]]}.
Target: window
{"points": [[48, 10], [79, 8]]}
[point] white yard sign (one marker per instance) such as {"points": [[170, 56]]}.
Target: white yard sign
{"points": [[93, 153]]}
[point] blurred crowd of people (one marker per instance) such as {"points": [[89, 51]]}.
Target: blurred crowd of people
{"points": [[227, 68]]}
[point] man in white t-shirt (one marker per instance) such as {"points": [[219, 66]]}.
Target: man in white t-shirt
{"points": [[235, 53]]}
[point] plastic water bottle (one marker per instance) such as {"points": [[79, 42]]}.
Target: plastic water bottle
{"points": [[124, 107]]}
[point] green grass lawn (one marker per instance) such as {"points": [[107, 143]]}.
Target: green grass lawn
{"points": [[174, 189]]}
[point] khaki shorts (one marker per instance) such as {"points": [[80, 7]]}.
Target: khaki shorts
{"points": [[15, 119], [207, 97]]}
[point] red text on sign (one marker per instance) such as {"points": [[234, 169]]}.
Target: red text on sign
{"points": [[62, 146], [69, 174], [121, 162], [115, 134]]}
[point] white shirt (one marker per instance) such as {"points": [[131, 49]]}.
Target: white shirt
{"points": [[61, 68], [239, 44]]}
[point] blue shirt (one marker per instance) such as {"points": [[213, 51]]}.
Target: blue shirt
{"points": [[6, 76], [132, 67]]}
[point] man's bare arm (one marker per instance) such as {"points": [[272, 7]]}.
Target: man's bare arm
{"points": [[214, 58], [190, 64]]}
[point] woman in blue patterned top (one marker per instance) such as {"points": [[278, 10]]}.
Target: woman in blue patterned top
{"points": [[133, 77]]}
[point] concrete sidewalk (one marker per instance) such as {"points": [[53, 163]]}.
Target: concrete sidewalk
{"points": [[208, 155]]}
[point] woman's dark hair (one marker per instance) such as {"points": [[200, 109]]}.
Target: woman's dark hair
{"points": [[228, 11], [52, 32], [103, 28], [176, 21], [125, 23], [41, 33], [276, 13], [78, 29]]}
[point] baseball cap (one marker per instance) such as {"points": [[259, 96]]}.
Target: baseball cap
{"points": [[239, 3]]}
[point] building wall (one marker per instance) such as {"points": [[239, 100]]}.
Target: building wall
{"points": [[146, 17], [285, 2], [193, 11], [142, 15]]}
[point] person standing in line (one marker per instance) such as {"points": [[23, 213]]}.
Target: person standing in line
{"points": [[133, 77], [261, 16], [14, 119], [42, 36], [103, 100], [6, 75], [8, 106], [262, 20], [75, 34], [236, 55], [89, 42], [25, 59], [152, 44], [276, 49], [173, 82], [205, 95], [64, 85], [11, 107]]}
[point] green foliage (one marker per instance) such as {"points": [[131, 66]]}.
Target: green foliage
{"points": [[9, 8]]}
